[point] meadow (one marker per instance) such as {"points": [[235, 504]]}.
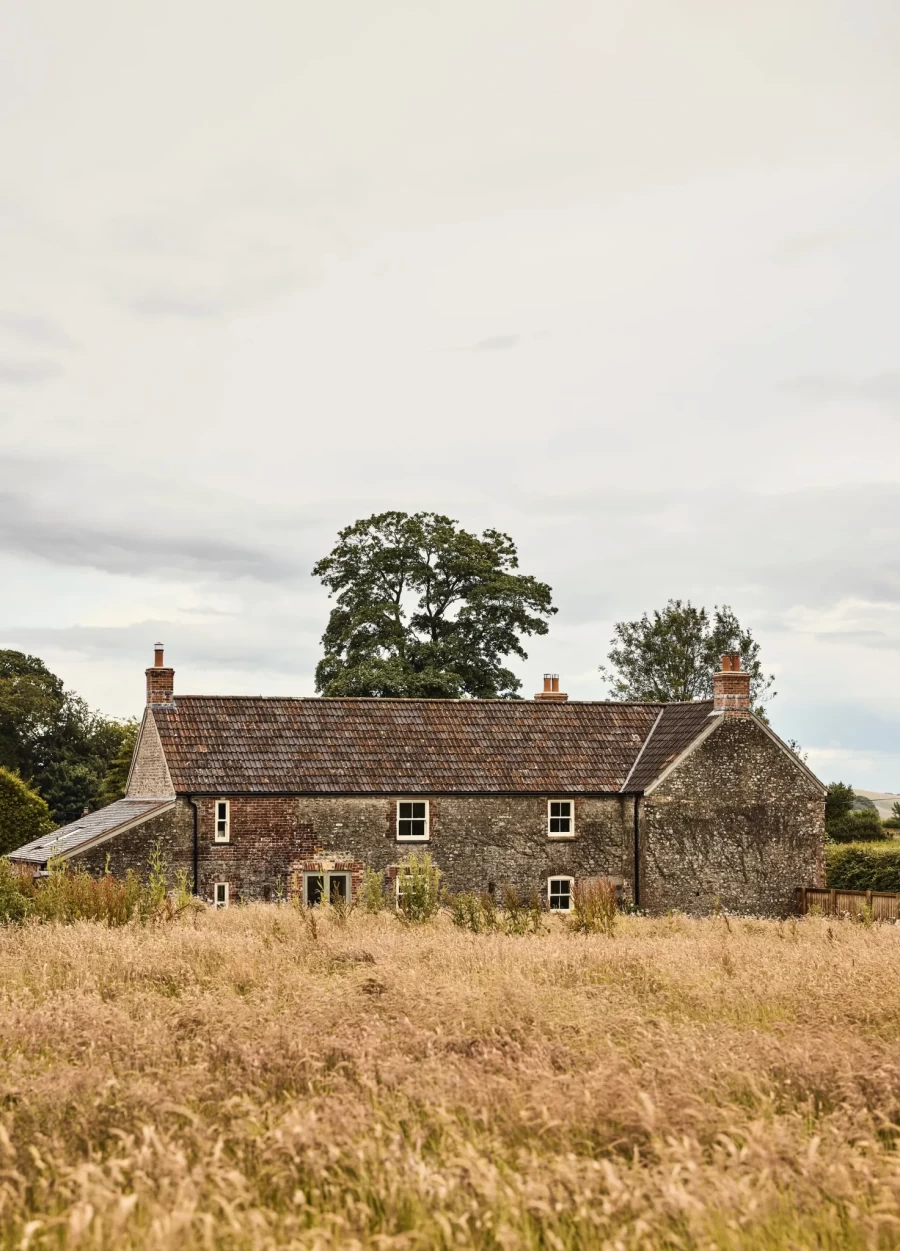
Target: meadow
{"points": [[264, 1077]]}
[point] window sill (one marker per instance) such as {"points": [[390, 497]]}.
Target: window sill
{"points": [[561, 838], [413, 838]]}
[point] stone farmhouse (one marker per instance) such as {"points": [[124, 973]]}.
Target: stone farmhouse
{"points": [[688, 806]]}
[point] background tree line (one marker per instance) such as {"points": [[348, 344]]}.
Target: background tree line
{"points": [[57, 756]]}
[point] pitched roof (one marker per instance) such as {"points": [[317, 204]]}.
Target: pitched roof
{"points": [[675, 729], [94, 827], [391, 746]]}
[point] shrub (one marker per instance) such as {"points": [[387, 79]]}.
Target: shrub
{"points": [[418, 888], [467, 913], [24, 815], [860, 826], [372, 890], [863, 866], [594, 907]]}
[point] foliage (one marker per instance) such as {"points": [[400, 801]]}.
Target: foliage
{"points": [[425, 609], [858, 826], [419, 888], [479, 913], [838, 802], [67, 895], [113, 785], [862, 801], [672, 655], [372, 890], [892, 823], [23, 814], [863, 866], [50, 737], [594, 907], [895, 810]]}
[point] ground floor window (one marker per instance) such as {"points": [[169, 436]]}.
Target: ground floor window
{"points": [[319, 887], [221, 894], [559, 893]]}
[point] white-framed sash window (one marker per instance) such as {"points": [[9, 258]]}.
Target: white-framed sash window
{"points": [[560, 818], [412, 820], [559, 893], [223, 821]]}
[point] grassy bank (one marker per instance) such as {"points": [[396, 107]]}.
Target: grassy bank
{"points": [[245, 1079]]}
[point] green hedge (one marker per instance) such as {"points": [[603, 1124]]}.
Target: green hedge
{"points": [[857, 827], [863, 866], [23, 814]]}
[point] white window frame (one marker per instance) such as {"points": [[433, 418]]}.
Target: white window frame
{"points": [[221, 903], [225, 836], [561, 877], [571, 818], [414, 838], [326, 875], [398, 876]]}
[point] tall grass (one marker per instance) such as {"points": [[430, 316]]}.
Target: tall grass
{"points": [[243, 1079]]}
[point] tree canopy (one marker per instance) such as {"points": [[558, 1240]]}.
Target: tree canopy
{"points": [[671, 655], [24, 816], [424, 608], [51, 738]]}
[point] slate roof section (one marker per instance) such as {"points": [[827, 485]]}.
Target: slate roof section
{"points": [[91, 828], [255, 745], [676, 729]]}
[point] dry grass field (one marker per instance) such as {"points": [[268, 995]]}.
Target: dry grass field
{"points": [[243, 1079]]}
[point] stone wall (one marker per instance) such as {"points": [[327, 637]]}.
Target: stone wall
{"points": [[737, 826], [480, 842], [149, 777]]}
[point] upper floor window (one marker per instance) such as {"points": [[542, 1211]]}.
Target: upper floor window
{"points": [[412, 819], [560, 819], [559, 893], [223, 821]]}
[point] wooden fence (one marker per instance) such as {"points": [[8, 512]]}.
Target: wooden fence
{"points": [[884, 905]]}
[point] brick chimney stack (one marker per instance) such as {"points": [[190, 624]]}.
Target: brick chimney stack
{"points": [[731, 688], [551, 693], [160, 680]]}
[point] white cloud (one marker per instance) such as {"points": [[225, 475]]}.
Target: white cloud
{"points": [[247, 255]]}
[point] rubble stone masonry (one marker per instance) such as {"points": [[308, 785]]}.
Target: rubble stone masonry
{"points": [[737, 826]]}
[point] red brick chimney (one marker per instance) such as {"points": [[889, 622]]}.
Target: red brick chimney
{"points": [[551, 693], [160, 680], [731, 688]]}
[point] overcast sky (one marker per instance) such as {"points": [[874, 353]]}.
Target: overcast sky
{"points": [[617, 277]]}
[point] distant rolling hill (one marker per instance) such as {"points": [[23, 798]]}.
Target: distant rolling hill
{"points": [[883, 800]]}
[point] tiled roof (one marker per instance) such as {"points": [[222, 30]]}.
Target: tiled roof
{"points": [[93, 826], [370, 746], [674, 731]]}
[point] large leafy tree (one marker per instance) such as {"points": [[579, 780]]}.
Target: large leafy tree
{"points": [[50, 737], [24, 816], [424, 608], [671, 654]]}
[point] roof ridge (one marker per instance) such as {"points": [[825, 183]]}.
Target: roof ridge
{"points": [[468, 703]]}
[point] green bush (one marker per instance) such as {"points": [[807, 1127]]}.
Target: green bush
{"points": [[372, 890], [863, 866], [860, 826], [24, 816], [418, 888]]}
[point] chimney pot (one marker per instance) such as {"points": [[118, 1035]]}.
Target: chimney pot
{"points": [[551, 692], [158, 655]]}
